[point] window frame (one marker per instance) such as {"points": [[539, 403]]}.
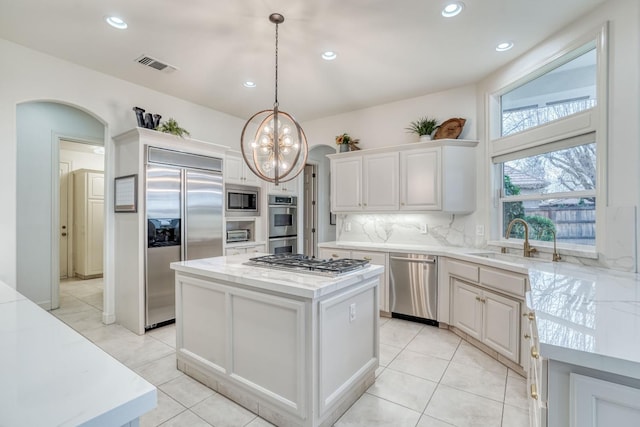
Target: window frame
{"points": [[579, 125]]}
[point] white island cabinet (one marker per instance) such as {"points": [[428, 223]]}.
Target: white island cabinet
{"points": [[297, 349]]}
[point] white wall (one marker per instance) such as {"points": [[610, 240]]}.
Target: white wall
{"points": [[620, 177], [384, 125], [39, 125], [27, 75], [82, 160]]}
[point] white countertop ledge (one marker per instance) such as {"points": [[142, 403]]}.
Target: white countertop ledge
{"points": [[587, 316], [52, 375], [231, 269]]}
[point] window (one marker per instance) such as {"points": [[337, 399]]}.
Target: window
{"points": [[547, 175], [565, 90], [554, 192]]}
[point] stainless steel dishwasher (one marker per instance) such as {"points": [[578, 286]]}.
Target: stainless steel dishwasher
{"points": [[414, 287]]}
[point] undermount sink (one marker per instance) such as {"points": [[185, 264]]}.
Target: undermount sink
{"points": [[499, 257]]}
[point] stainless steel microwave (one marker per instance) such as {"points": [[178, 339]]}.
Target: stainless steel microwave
{"points": [[242, 200]]}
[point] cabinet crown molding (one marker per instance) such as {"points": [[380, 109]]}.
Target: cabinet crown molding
{"points": [[409, 146]]}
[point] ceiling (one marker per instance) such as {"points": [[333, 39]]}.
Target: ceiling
{"points": [[387, 50]]}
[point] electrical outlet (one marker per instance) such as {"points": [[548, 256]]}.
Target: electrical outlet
{"points": [[352, 312], [480, 230], [347, 226], [424, 229]]}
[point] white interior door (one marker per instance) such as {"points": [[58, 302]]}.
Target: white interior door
{"points": [[65, 247]]}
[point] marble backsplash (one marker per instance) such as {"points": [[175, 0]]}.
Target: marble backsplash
{"points": [[618, 248], [441, 229]]}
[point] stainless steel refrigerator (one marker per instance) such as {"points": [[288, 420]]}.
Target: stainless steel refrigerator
{"points": [[184, 222]]}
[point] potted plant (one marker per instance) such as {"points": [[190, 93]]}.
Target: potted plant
{"points": [[424, 127], [345, 142], [172, 127]]}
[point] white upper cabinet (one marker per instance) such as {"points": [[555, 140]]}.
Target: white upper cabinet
{"points": [[289, 188], [431, 176], [346, 184], [380, 182], [420, 179], [237, 172]]}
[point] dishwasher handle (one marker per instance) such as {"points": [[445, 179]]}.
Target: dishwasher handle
{"points": [[416, 260]]}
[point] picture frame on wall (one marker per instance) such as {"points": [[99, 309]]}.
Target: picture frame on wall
{"points": [[126, 193]]}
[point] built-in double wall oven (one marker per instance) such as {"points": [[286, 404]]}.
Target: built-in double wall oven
{"points": [[283, 224]]}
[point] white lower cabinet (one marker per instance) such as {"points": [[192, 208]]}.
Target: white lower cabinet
{"points": [[377, 258], [598, 403], [488, 317]]}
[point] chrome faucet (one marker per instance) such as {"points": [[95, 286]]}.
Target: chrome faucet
{"points": [[528, 250]]}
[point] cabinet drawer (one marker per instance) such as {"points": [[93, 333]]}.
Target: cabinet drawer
{"points": [[235, 251], [503, 281], [463, 270], [326, 253], [373, 257]]}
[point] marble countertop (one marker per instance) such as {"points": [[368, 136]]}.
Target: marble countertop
{"points": [[52, 375], [231, 269], [587, 316]]}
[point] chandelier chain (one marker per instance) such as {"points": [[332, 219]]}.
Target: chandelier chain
{"points": [[276, 101]]}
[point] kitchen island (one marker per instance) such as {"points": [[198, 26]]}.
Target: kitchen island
{"points": [[295, 348]]}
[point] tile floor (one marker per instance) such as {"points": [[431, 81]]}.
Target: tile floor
{"points": [[427, 377]]}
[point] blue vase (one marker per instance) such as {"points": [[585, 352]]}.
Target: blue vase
{"points": [[344, 148]]}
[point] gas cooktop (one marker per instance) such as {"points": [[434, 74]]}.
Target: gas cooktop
{"points": [[304, 264]]}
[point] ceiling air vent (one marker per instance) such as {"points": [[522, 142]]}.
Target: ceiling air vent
{"points": [[156, 64]]}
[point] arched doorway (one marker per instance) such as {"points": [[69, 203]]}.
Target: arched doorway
{"points": [[40, 128]]}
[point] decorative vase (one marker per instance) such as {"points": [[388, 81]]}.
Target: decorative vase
{"points": [[424, 138], [344, 148]]}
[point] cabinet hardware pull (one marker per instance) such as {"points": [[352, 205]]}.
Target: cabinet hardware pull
{"points": [[534, 391], [402, 203], [527, 336], [334, 255], [478, 299], [531, 315], [367, 258], [364, 204], [534, 353], [483, 299]]}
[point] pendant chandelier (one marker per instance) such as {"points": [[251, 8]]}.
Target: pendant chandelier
{"points": [[273, 144]]}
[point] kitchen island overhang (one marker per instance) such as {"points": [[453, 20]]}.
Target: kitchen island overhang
{"points": [[295, 348]]}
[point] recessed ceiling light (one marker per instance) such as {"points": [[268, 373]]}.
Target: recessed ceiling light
{"points": [[329, 55], [116, 22], [249, 84], [452, 9], [504, 46]]}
